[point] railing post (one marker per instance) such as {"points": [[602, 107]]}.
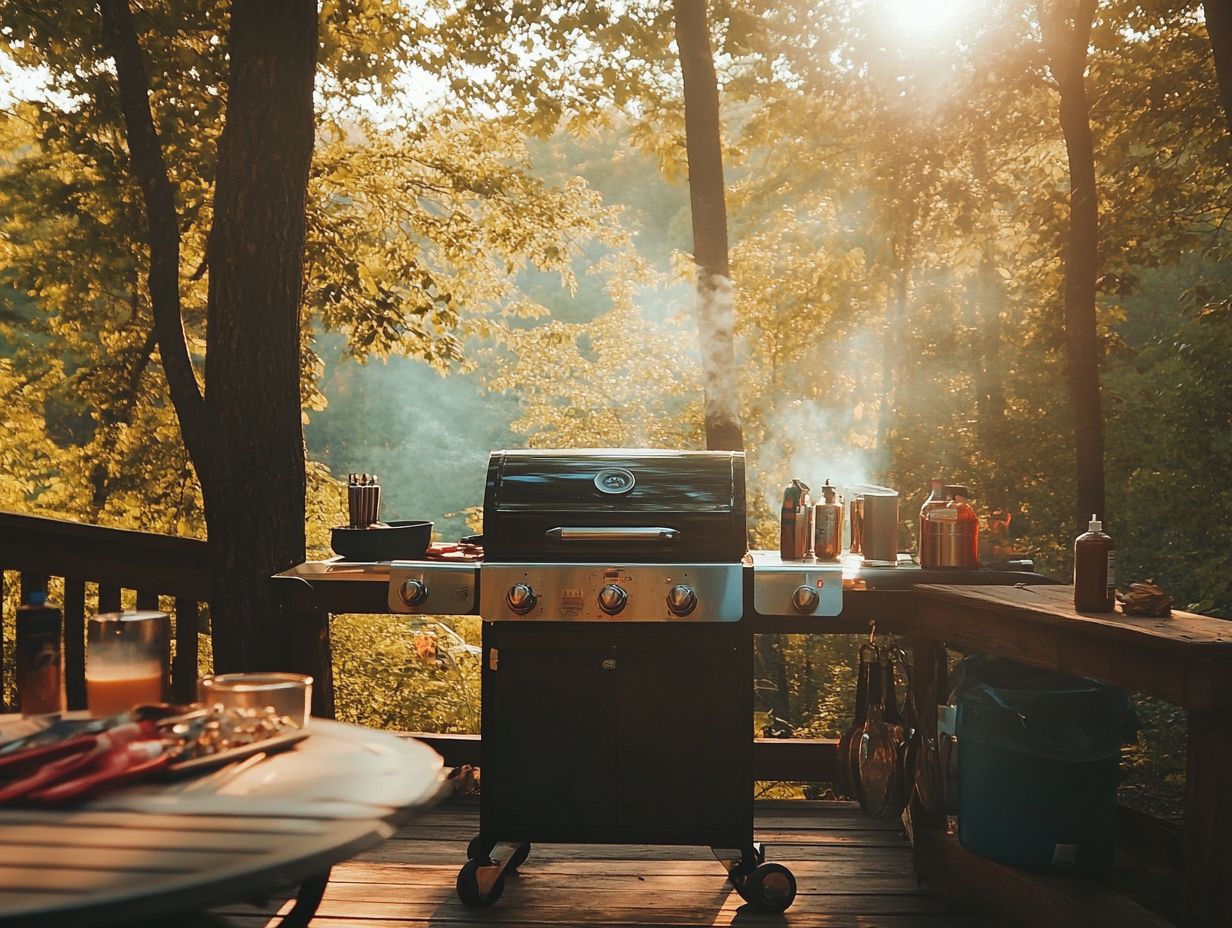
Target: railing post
{"points": [[308, 629], [75, 642], [1207, 870], [184, 667], [108, 598]]}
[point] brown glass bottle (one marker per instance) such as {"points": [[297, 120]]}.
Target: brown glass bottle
{"points": [[828, 525], [1094, 570], [38, 656]]}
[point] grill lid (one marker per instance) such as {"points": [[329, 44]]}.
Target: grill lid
{"points": [[615, 504]]}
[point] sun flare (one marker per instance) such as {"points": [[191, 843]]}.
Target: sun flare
{"points": [[925, 19]]}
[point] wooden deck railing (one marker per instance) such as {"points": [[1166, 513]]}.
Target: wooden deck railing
{"points": [[97, 565]]}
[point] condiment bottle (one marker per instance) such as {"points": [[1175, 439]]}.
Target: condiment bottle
{"points": [[929, 556], [38, 655], [828, 525], [1094, 570]]}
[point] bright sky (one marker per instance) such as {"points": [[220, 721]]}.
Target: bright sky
{"points": [[17, 83], [926, 19]]}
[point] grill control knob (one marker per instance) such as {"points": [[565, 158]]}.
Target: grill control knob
{"points": [[521, 598], [681, 599], [413, 592], [612, 598], [805, 599]]}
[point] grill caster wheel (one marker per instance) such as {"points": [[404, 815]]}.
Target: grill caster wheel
{"points": [[469, 887], [476, 850], [769, 888], [518, 857]]}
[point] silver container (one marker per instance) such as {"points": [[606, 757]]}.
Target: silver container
{"points": [[949, 542], [857, 524], [880, 530]]}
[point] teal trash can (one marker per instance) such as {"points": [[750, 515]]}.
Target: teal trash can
{"points": [[1038, 765]]}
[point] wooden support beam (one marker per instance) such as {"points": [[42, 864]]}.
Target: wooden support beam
{"points": [[790, 759], [1207, 873]]}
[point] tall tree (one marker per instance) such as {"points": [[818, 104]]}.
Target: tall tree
{"points": [[1066, 29], [716, 314], [244, 433], [1219, 27]]}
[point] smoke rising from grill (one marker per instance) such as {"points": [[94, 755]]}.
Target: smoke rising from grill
{"points": [[817, 442], [716, 322]]}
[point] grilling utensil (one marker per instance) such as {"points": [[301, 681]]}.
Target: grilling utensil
{"points": [[848, 772], [363, 499], [881, 749]]}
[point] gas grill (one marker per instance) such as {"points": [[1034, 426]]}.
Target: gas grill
{"points": [[617, 668]]}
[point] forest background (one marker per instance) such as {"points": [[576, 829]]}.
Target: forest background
{"points": [[498, 255]]}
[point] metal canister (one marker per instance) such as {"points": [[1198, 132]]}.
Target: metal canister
{"points": [[950, 533], [857, 524], [828, 525], [880, 531]]}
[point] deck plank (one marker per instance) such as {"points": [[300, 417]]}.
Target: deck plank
{"points": [[851, 872]]}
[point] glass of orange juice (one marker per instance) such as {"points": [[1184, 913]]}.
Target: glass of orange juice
{"points": [[127, 655]]}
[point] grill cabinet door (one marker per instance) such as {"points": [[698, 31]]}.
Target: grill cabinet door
{"points": [[549, 737], [685, 743]]}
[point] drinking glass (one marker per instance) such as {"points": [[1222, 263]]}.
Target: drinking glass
{"points": [[127, 657], [288, 694]]}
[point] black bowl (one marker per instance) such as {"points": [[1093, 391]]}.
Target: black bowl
{"points": [[392, 541]]}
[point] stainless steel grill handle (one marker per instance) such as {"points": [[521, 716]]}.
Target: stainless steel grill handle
{"points": [[641, 534]]}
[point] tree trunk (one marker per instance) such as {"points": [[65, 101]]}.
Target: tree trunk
{"points": [[1067, 47], [1219, 28], [244, 436], [254, 506], [716, 310], [986, 318]]}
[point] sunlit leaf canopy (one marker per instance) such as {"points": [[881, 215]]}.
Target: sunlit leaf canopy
{"points": [[498, 192]]}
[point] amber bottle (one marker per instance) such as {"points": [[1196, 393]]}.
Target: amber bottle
{"points": [[828, 525], [38, 655], [795, 522], [1094, 570]]}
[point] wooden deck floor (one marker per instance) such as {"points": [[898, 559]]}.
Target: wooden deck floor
{"points": [[851, 871]]}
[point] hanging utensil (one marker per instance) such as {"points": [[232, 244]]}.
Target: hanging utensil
{"points": [[846, 773], [881, 775]]}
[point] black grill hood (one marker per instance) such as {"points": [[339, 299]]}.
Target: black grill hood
{"points": [[551, 505]]}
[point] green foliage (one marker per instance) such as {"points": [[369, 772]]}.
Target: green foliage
{"points": [[407, 676]]}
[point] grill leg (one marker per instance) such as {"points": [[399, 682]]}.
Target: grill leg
{"points": [[750, 857], [306, 902]]}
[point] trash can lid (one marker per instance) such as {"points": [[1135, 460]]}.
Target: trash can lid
{"points": [[1052, 716]]}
